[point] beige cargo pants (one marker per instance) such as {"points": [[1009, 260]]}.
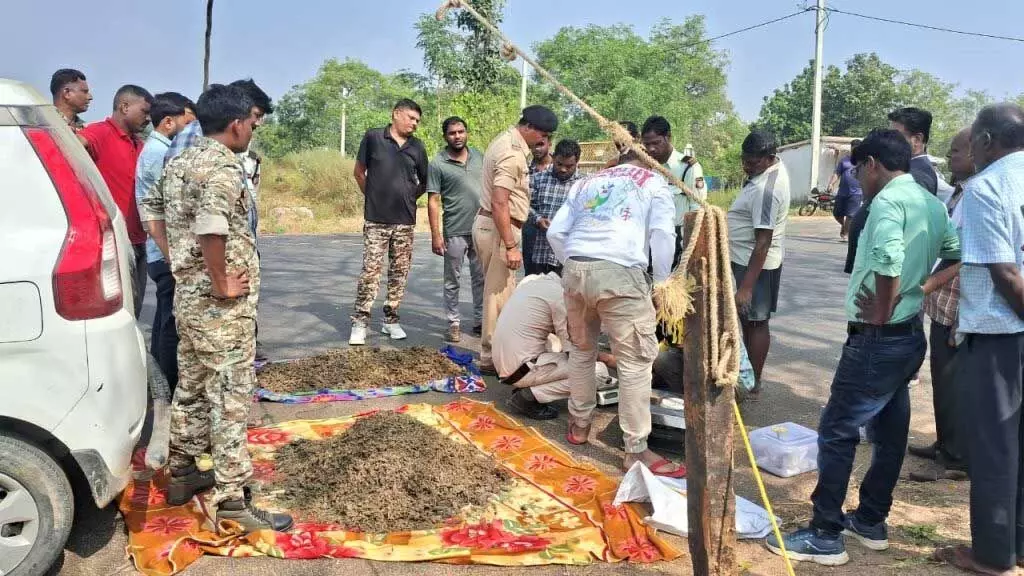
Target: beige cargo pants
{"points": [[604, 296]]}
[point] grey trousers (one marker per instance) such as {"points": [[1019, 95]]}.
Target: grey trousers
{"points": [[457, 248], [994, 366]]}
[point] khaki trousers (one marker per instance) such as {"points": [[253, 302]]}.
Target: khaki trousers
{"points": [[548, 378], [499, 281], [604, 296]]}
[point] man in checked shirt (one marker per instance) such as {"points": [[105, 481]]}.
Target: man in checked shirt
{"points": [[942, 304], [548, 190]]}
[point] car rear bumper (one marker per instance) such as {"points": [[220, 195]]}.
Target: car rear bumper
{"points": [[103, 429]]}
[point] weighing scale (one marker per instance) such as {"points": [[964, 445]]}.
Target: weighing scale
{"points": [[668, 423]]}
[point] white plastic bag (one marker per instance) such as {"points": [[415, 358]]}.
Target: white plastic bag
{"points": [[668, 498]]}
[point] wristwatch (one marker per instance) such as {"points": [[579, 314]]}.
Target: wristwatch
{"points": [[512, 247]]}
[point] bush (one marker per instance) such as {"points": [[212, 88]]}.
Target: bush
{"points": [[320, 177]]}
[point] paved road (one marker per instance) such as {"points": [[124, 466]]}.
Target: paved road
{"points": [[309, 283]]}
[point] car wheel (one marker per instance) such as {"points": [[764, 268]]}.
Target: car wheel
{"points": [[808, 209], [36, 508]]}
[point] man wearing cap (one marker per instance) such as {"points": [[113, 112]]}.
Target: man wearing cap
{"points": [[504, 206]]}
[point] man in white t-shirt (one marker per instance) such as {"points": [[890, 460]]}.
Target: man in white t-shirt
{"points": [[757, 231], [609, 226]]}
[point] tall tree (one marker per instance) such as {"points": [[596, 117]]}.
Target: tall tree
{"points": [[460, 53]]}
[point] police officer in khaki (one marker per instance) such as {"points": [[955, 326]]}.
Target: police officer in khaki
{"points": [[504, 206], [216, 272]]}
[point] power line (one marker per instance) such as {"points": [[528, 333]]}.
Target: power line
{"points": [[748, 28], [926, 26]]}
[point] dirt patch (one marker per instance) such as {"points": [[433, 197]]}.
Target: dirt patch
{"points": [[358, 369], [389, 472]]}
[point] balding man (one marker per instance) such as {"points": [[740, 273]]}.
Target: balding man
{"points": [[992, 324], [504, 206], [114, 145]]}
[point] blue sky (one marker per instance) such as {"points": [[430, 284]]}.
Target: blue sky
{"points": [[281, 44]]}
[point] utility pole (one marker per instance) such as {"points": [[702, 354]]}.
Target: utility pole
{"points": [[344, 117], [522, 88], [819, 38]]}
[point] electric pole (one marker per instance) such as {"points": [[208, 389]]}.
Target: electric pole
{"points": [[819, 38], [522, 88], [344, 117]]}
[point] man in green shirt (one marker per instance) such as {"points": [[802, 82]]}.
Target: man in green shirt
{"points": [[907, 229], [454, 180]]}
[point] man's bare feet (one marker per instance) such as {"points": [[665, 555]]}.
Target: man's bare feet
{"points": [[578, 433], [656, 464], [963, 558]]}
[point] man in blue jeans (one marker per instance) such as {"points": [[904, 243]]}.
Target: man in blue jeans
{"points": [[907, 229]]}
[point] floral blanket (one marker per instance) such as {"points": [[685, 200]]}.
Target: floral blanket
{"points": [[469, 381], [558, 511]]}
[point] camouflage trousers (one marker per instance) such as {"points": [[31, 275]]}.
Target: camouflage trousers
{"points": [[395, 240], [215, 386]]}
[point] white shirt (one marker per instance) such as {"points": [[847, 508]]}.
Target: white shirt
{"points": [[535, 310], [763, 204], [622, 215], [683, 203]]}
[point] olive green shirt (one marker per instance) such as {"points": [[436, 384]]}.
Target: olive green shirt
{"points": [[459, 184], [907, 230]]}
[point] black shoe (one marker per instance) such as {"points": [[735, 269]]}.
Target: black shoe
{"points": [[186, 483], [488, 370], [524, 402], [478, 330], [872, 537], [929, 452], [251, 518]]}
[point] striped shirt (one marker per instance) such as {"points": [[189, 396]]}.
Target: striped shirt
{"points": [[547, 194], [763, 204]]}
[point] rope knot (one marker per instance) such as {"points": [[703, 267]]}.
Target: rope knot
{"points": [[442, 12]]}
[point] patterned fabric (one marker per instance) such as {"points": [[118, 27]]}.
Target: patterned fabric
{"points": [[204, 194], [395, 240], [558, 510], [547, 194], [993, 233], [943, 305], [468, 382]]}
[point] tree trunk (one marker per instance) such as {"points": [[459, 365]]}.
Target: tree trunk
{"points": [[206, 55], [709, 433]]}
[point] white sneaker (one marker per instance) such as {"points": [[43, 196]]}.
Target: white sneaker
{"points": [[394, 331], [358, 337]]}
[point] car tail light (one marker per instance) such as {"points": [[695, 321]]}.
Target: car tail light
{"points": [[86, 279]]}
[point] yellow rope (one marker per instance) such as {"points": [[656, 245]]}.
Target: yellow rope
{"points": [[760, 486]]}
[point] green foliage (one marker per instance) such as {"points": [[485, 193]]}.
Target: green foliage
{"points": [[673, 73], [460, 54], [487, 113], [309, 116]]}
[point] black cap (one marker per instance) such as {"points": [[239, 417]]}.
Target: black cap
{"points": [[540, 117]]}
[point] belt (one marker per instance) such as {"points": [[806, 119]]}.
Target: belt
{"points": [[517, 375], [515, 222], [902, 329]]}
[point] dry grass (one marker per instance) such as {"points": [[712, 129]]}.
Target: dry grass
{"points": [[322, 181]]}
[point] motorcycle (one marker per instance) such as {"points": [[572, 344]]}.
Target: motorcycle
{"points": [[824, 201]]}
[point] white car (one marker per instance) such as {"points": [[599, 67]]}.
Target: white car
{"points": [[73, 386]]}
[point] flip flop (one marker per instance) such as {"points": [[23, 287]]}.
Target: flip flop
{"points": [[963, 558], [679, 473]]}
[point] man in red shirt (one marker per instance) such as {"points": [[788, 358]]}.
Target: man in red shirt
{"points": [[114, 145]]}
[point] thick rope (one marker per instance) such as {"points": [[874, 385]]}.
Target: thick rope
{"points": [[673, 296]]}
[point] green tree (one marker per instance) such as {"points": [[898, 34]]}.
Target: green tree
{"points": [[674, 72], [309, 115]]}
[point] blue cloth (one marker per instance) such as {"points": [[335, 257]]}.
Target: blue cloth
{"points": [[848, 183], [147, 173], [992, 232], [869, 389]]}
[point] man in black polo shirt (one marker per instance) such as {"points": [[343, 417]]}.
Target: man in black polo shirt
{"points": [[391, 170]]}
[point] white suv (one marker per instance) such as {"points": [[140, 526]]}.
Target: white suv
{"points": [[72, 360]]}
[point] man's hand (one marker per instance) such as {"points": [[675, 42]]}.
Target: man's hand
{"points": [[744, 296], [235, 286], [867, 304], [952, 337], [437, 245], [543, 223], [513, 258]]}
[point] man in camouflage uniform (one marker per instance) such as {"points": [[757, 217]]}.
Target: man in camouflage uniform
{"points": [[216, 271]]}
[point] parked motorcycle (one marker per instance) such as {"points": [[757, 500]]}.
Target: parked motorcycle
{"points": [[824, 201]]}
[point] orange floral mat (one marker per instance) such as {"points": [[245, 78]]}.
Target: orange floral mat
{"points": [[558, 510]]}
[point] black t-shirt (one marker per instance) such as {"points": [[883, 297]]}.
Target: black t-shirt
{"points": [[856, 227], [924, 173], [395, 176]]}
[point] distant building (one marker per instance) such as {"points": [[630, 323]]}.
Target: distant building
{"points": [[797, 158]]}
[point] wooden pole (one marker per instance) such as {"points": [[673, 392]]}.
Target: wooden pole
{"points": [[206, 55], [709, 430]]}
